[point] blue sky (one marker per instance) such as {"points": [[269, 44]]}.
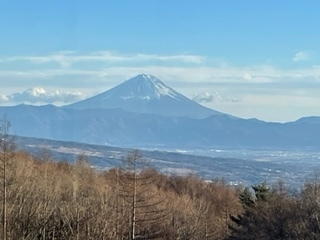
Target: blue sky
{"points": [[249, 58]]}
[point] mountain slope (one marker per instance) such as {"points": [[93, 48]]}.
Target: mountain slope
{"points": [[146, 94], [119, 128]]}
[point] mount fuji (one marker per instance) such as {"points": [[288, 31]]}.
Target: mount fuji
{"points": [[144, 112], [145, 93]]}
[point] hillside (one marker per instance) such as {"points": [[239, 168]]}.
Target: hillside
{"points": [[235, 166]]}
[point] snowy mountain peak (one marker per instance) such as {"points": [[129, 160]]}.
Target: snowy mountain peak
{"points": [[146, 86], [147, 76], [145, 93]]}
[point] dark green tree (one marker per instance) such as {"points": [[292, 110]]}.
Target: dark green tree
{"points": [[249, 224], [261, 192], [246, 198]]}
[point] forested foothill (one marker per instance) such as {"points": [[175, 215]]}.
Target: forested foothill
{"points": [[45, 198]]}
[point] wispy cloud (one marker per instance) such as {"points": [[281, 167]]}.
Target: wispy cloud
{"points": [[180, 67], [67, 58], [109, 76], [302, 56]]}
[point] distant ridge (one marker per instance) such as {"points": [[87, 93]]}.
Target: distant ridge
{"points": [[116, 127], [145, 93]]}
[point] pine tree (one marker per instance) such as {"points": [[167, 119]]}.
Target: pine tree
{"points": [[246, 198], [261, 192]]}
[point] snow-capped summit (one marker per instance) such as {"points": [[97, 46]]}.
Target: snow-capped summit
{"points": [[145, 86], [145, 93]]}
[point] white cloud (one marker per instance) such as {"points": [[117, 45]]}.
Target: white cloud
{"points": [[203, 97], [3, 98], [247, 76], [301, 56], [38, 95], [206, 97]]}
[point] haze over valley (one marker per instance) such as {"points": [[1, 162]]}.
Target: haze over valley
{"points": [[145, 113]]}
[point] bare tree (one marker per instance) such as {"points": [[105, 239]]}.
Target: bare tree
{"points": [[7, 150], [143, 202]]}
